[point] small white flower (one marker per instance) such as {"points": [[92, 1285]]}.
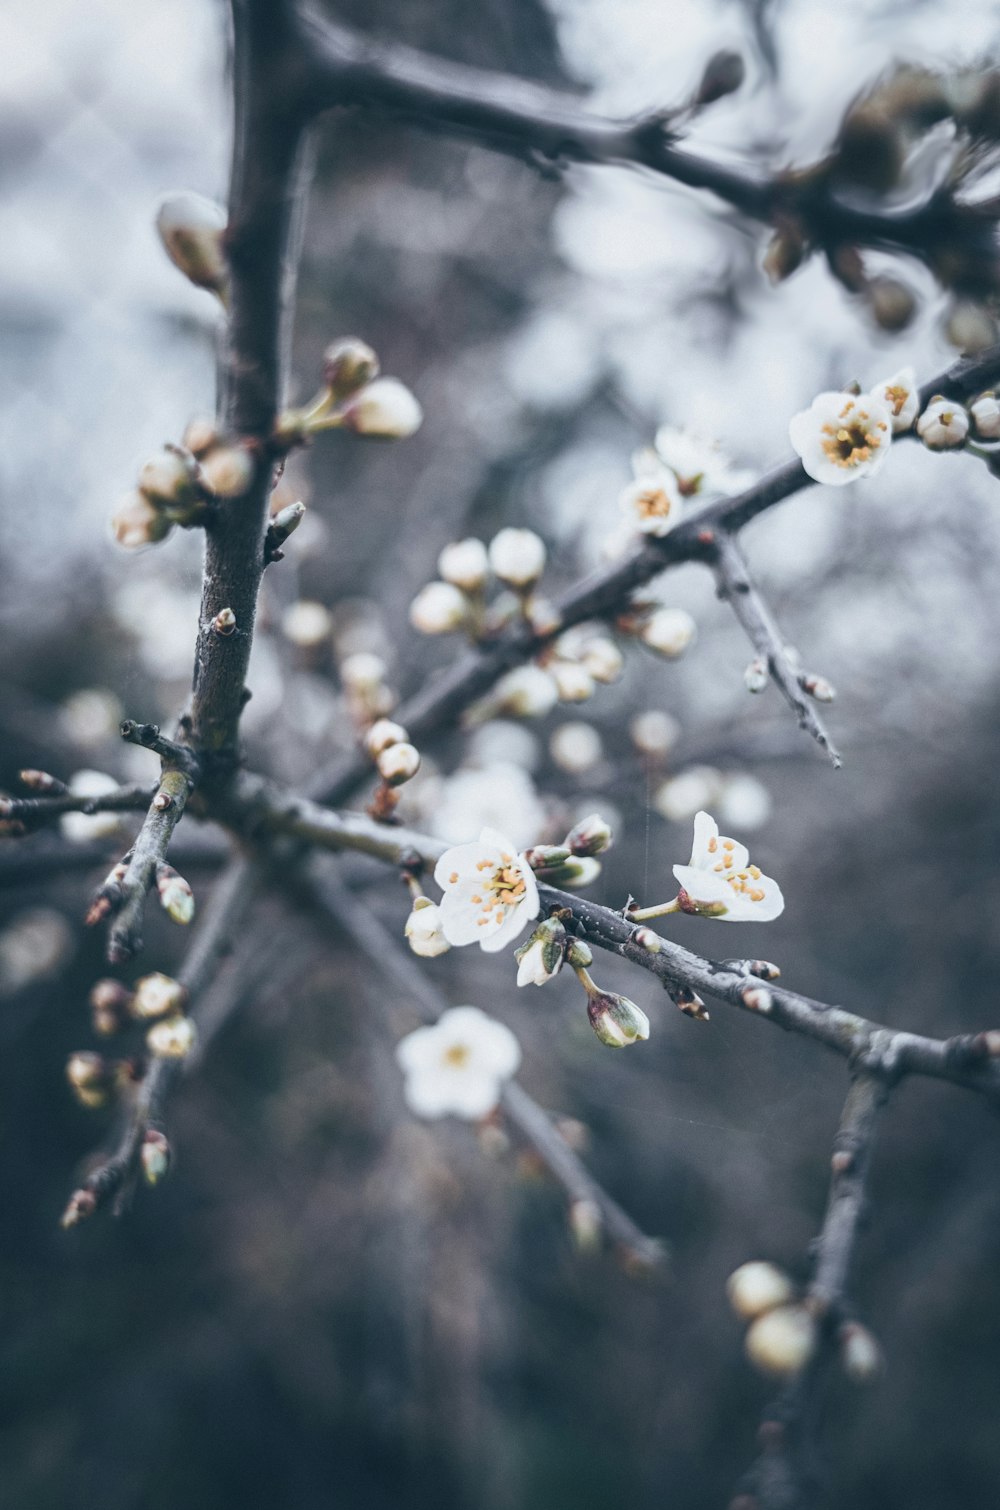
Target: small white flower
{"points": [[700, 466], [439, 608], [986, 416], [490, 893], [652, 504], [526, 692], [901, 396], [459, 1065], [465, 564], [720, 882], [668, 631], [517, 557], [423, 929], [158, 995], [842, 437], [173, 1038], [385, 409], [81, 828], [943, 425]]}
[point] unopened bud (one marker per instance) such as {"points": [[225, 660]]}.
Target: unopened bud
{"points": [[89, 1077], [154, 1156], [576, 747], [398, 763], [689, 1002], [139, 522], [724, 74], [756, 676], [574, 682], [228, 471], [306, 624], [546, 856], [158, 995], [169, 480], [41, 781], [284, 523], [176, 896], [110, 1005], [648, 940], [654, 732], [423, 930], [591, 836], [573, 873], [200, 436], [526, 692], [870, 149], [970, 328], [586, 1225], [860, 1353], [985, 413], [579, 956], [224, 623], [784, 254], [82, 1204], [517, 557], [668, 632], [764, 970], [465, 564], [382, 734], [892, 304], [758, 999], [191, 229], [603, 660], [818, 688], [348, 364], [385, 409], [542, 956], [439, 608], [943, 425], [173, 1038], [616, 1020], [363, 672], [758, 1287], [782, 1340]]}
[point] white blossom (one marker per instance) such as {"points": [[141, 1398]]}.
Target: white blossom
{"points": [[719, 880], [423, 930], [700, 466], [574, 682], [757, 1287], [901, 396], [439, 608], [842, 436], [517, 557], [526, 692], [363, 671], [172, 1038], [782, 1341], [603, 660], [490, 893], [500, 793], [652, 504], [986, 416], [465, 564], [385, 409], [943, 425], [459, 1065], [668, 631], [81, 828]]}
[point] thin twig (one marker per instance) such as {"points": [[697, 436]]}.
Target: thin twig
{"points": [[36, 812], [397, 965], [753, 614]]}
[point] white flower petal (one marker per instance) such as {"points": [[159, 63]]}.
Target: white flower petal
{"points": [[704, 885]]}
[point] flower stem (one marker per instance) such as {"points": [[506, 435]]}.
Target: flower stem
{"points": [[643, 914]]}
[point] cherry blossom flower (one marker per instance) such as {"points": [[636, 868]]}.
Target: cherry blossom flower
{"points": [[700, 465], [459, 1065], [652, 503], [490, 893], [720, 882], [842, 436], [901, 396]]}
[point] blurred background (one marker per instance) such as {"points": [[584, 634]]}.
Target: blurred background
{"points": [[330, 1303]]}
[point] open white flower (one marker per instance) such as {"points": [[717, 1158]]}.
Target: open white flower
{"points": [[700, 465], [842, 436], [459, 1065], [490, 893], [652, 503], [901, 396], [720, 882]]}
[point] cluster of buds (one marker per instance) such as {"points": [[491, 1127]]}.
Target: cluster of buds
{"points": [[157, 1001], [353, 397], [457, 599], [573, 863], [784, 1328], [396, 760], [580, 660], [180, 484], [94, 1080]]}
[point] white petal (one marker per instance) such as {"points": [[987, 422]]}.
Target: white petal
{"points": [[489, 839], [418, 1050], [514, 923], [461, 861], [705, 830], [472, 1095], [704, 885], [460, 920]]}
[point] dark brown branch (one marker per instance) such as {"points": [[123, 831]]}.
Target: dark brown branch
{"points": [[437, 705], [787, 1474], [36, 812], [399, 967], [737, 587]]}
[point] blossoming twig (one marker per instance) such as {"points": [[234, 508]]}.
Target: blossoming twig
{"points": [[752, 612]]}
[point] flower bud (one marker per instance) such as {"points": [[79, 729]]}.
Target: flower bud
{"points": [[526, 692], [579, 956], [758, 999], [41, 781], [517, 557], [576, 747], [385, 409], [724, 74], [758, 1287], [784, 253], [228, 471], [191, 229], [465, 564], [682, 796], [382, 734], [173, 1038], [970, 328], [603, 660], [398, 763], [985, 413], [154, 1156], [586, 1225], [284, 523], [306, 624], [545, 856], [348, 364], [82, 1204], [200, 435], [943, 425], [90, 1079], [542, 956], [892, 304], [573, 873], [439, 608], [668, 631], [647, 939], [756, 676], [818, 688], [363, 671], [654, 732], [176, 896], [110, 1005], [423, 929], [158, 995], [574, 682], [782, 1340], [591, 836], [169, 480], [860, 1353], [139, 522], [688, 1002], [616, 1020]]}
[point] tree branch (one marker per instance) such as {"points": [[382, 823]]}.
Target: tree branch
{"points": [[752, 612], [35, 812]]}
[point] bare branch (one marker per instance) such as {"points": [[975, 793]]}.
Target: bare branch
{"points": [[36, 812], [744, 597]]}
